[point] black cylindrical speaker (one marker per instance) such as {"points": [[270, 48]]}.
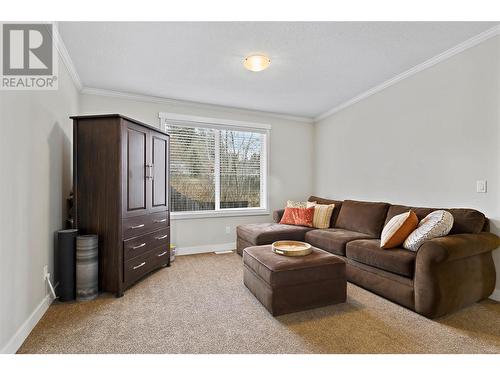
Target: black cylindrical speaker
{"points": [[66, 263]]}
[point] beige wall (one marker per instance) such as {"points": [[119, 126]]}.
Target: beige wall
{"points": [[423, 141], [35, 179], [291, 152]]}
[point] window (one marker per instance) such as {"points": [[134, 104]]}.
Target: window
{"points": [[217, 167]]}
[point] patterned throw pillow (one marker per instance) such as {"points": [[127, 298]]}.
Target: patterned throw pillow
{"points": [[398, 229], [295, 204], [436, 224], [322, 214], [298, 216]]}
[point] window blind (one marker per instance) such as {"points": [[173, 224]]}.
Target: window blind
{"points": [[192, 158], [240, 158]]}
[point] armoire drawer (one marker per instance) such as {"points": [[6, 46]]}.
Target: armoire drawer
{"points": [[142, 244], [138, 225], [135, 268]]}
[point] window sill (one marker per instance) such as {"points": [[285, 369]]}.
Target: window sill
{"points": [[223, 213]]}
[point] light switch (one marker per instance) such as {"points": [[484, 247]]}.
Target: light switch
{"points": [[481, 186]]}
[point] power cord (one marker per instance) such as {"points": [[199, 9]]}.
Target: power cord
{"points": [[52, 291]]}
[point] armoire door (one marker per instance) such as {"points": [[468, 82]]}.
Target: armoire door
{"points": [[160, 172], [135, 170]]}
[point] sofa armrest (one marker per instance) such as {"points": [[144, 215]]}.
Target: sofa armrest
{"points": [[277, 215], [457, 246], [454, 271]]}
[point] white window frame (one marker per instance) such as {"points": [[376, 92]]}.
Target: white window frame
{"points": [[224, 124]]}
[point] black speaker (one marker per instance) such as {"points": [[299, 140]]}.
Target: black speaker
{"points": [[66, 264]]}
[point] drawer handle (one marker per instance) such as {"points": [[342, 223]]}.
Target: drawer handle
{"points": [[162, 254], [139, 246], [136, 226], [162, 237], [139, 266], [160, 221]]}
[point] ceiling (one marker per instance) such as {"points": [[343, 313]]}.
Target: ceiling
{"points": [[315, 66]]}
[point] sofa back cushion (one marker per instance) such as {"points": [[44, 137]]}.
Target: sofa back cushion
{"points": [[363, 217], [336, 209], [465, 220]]}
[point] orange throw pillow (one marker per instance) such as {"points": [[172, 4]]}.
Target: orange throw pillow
{"points": [[397, 229], [298, 216]]}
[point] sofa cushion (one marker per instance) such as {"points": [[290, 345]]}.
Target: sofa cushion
{"points": [[465, 220], [363, 217], [397, 260], [333, 240], [336, 209], [296, 204], [322, 214], [398, 229], [266, 233], [298, 216], [436, 224]]}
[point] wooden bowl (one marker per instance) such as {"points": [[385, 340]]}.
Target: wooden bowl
{"points": [[292, 248]]}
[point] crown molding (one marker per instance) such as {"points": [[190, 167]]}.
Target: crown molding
{"points": [[63, 52], [482, 37], [68, 62], [162, 100]]}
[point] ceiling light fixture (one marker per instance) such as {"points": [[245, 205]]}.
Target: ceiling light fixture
{"points": [[256, 63]]}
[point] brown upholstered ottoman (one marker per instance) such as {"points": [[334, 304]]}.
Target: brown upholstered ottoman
{"points": [[288, 284]]}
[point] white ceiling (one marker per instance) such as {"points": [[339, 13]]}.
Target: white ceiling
{"points": [[315, 66]]}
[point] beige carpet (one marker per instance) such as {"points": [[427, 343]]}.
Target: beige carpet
{"points": [[200, 305]]}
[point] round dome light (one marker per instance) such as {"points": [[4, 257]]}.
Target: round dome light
{"points": [[256, 63]]}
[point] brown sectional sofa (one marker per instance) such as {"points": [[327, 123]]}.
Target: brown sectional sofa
{"points": [[444, 275]]}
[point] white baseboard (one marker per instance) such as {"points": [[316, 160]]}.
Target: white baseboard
{"points": [[22, 333], [495, 295], [205, 248]]}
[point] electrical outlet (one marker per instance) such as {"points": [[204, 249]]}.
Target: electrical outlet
{"points": [[228, 229], [481, 186], [45, 271]]}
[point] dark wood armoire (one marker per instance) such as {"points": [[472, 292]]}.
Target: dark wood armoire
{"points": [[121, 193]]}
